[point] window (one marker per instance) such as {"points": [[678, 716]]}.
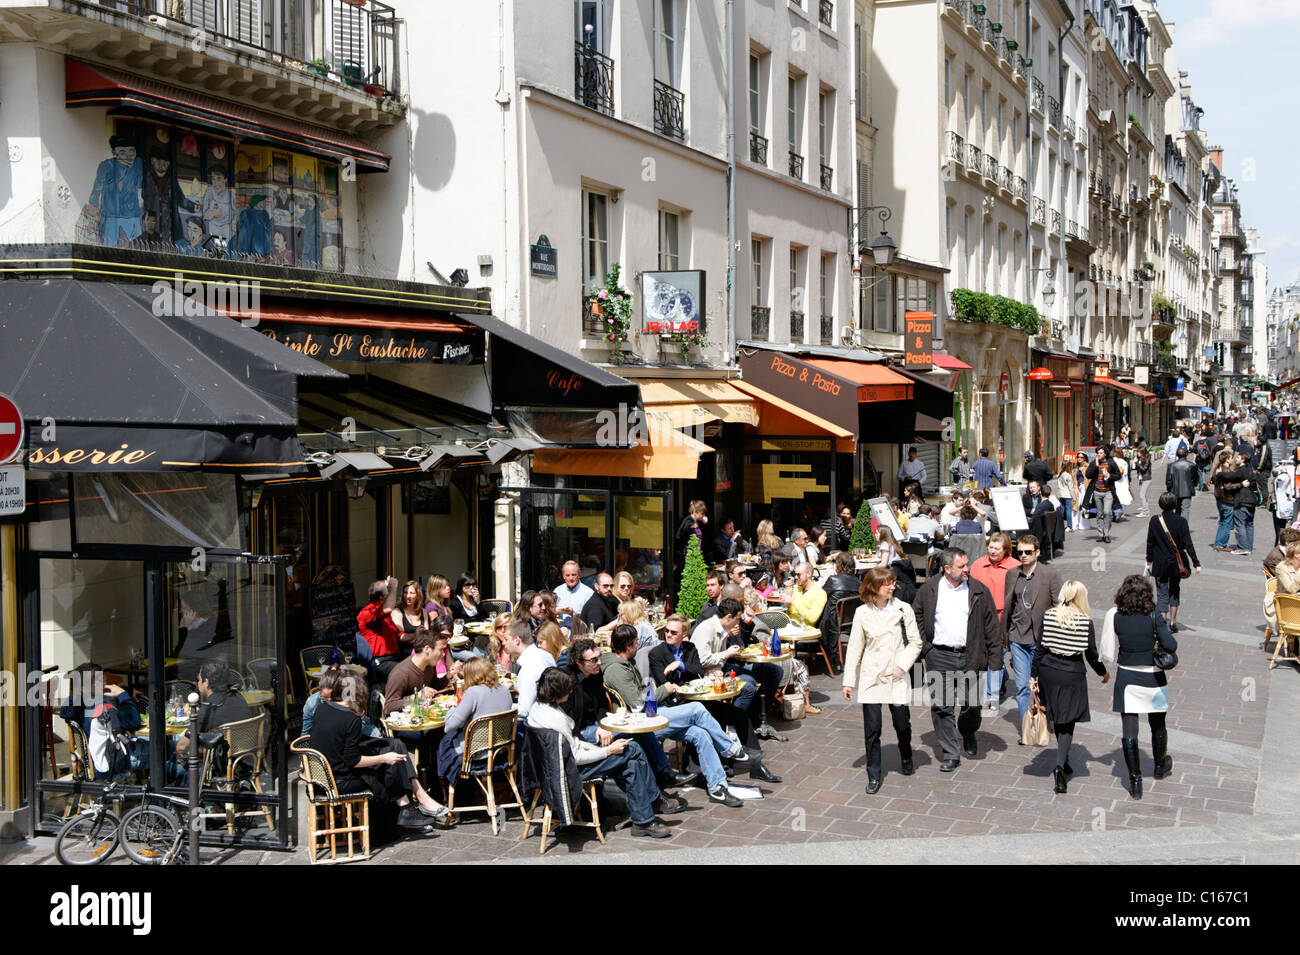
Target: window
{"points": [[825, 123], [669, 256], [755, 94], [952, 237], [882, 308], [798, 294], [984, 111], [1002, 259], [947, 82], [967, 250], [794, 113], [595, 240], [825, 284], [760, 314], [913, 295], [756, 255], [667, 65], [988, 258], [965, 99], [592, 24]]}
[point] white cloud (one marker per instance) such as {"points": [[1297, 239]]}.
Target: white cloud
{"points": [[1228, 19]]}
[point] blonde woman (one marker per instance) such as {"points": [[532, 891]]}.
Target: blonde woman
{"points": [[1287, 573], [624, 586], [632, 613], [439, 594], [768, 543], [1067, 490], [1063, 642], [888, 546], [550, 637], [883, 645]]}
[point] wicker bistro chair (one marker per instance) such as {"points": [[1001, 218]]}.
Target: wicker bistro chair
{"points": [[246, 742], [312, 657], [488, 607], [1270, 592], [82, 769], [332, 816], [614, 699], [489, 749], [590, 792], [1287, 608], [774, 618], [845, 608]]}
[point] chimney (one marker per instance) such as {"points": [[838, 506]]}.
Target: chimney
{"points": [[1216, 157]]}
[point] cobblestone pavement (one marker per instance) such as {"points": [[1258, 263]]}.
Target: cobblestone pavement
{"points": [[1229, 799]]}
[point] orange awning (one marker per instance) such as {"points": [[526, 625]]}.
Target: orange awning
{"points": [[875, 382], [677, 463], [781, 417]]}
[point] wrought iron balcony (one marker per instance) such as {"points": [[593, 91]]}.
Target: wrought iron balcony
{"points": [[991, 169], [796, 165], [991, 36], [758, 149], [1037, 101], [1056, 220], [826, 12], [760, 322], [670, 111], [1008, 181], [1092, 182], [1083, 233], [828, 177], [828, 330], [957, 6], [1071, 229], [956, 147], [1070, 128], [1040, 211], [1053, 111], [976, 19], [1022, 188], [974, 158], [1083, 136], [594, 79], [796, 326], [1022, 68]]}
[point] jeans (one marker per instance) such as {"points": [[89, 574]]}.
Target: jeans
{"points": [[1168, 592], [1022, 661], [1225, 523], [871, 726], [1067, 511], [1103, 500], [634, 777], [692, 723], [993, 680], [649, 743], [1245, 519], [1143, 485]]}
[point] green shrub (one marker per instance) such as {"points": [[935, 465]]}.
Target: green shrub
{"points": [[692, 595], [971, 306], [862, 538]]}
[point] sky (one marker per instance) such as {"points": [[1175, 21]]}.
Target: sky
{"points": [[1240, 57]]}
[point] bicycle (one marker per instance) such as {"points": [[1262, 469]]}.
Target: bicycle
{"points": [[153, 834], [92, 835]]}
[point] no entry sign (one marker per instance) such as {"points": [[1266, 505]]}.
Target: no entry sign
{"points": [[11, 429]]}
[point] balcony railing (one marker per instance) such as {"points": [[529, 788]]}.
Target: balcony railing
{"points": [[974, 158], [1037, 101], [828, 177], [1022, 188], [1056, 220], [1083, 136], [796, 326], [828, 330], [991, 168], [956, 147], [796, 165], [758, 149], [958, 5], [1040, 211], [1070, 127], [1083, 233], [976, 19], [670, 111], [991, 36], [1071, 229], [760, 322], [1022, 68], [826, 12], [1008, 181], [594, 79], [1053, 111]]}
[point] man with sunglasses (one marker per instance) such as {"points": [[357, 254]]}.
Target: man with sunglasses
{"points": [[1030, 589], [602, 608]]}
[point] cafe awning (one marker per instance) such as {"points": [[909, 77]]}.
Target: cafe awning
{"points": [[949, 363], [126, 389], [1146, 396], [875, 382], [776, 416], [690, 403], [1191, 399], [671, 455], [88, 84]]}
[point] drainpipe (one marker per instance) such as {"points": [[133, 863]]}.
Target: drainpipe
{"points": [[730, 350]]}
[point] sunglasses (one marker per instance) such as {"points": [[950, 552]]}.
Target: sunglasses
{"points": [[1026, 553]]}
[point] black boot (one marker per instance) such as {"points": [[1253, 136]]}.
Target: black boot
{"points": [[905, 756], [1133, 761], [1159, 745], [1058, 774]]}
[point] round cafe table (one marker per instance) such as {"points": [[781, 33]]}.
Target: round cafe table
{"points": [[257, 697], [432, 723], [316, 672], [751, 656], [646, 724], [797, 634], [710, 695], [173, 729]]}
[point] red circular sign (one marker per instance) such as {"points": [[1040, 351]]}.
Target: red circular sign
{"points": [[11, 429]]}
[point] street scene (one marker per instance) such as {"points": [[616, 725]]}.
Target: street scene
{"points": [[608, 432]]}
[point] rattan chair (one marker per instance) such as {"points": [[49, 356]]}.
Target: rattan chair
{"points": [[614, 699], [1287, 608], [246, 742], [312, 657], [332, 816], [1270, 592], [82, 769], [776, 619], [488, 607], [590, 793], [489, 749], [845, 608]]}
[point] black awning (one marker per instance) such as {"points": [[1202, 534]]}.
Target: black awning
{"points": [[929, 398], [527, 371], [94, 369]]}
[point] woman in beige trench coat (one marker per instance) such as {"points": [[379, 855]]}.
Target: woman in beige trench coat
{"points": [[883, 645]]}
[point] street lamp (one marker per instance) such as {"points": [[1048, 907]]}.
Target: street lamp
{"points": [[1049, 291], [883, 250]]}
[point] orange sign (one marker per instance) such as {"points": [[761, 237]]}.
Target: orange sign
{"points": [[1102, 371], [918, 348]]}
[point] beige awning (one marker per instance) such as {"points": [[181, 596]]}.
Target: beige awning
{"points": [[687, 404], [1191, 399]]}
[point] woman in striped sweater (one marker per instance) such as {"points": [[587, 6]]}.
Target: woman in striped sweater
{"points": [[1065, 640]]}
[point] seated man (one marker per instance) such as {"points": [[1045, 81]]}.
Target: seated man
{"points": [[1037, 506], [586, 704], [689, 722], [717, 651], [418, 673], [737, 573], [951, 512], [714, 581], [675, 660], [601, 609], [625, 763], [925, 525], [809, 599], [728, 543], [532, 659], [219, 704], [375, 621]]}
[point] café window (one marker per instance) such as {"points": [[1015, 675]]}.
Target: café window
{"points": [[173, 189]]}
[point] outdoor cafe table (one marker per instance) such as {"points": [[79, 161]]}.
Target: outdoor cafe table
{"points": [[173, 729], [316, 672], [633, 724], [754, 654], [797, 634], [432, 723], [710, 695], [257, 697]]}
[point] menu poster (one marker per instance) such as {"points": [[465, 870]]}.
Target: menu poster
{"points": [[884, 515], [1010, 508], [333, 605]]}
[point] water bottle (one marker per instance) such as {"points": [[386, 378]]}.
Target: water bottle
{"points": [[776, 643], [336, 656], [651, 704]]}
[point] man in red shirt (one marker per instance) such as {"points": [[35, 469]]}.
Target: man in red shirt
{"points": [[375, 621], [991, 571]]}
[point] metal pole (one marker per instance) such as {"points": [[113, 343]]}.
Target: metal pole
{"points": [[731, 184], [192, 765]]}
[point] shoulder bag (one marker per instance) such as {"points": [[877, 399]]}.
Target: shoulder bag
{"points": [[1162, 658], [1183, 571], [1034, 730]]}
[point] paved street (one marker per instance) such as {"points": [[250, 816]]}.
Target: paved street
{"points": [[1226, 802]]}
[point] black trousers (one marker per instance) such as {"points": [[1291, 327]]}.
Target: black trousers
{"points": [[386, 781], [871, 726], [953, 686]]}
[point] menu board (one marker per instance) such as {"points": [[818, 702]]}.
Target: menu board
{"points": [[884, 515], [1010, 508], [333, 605]]}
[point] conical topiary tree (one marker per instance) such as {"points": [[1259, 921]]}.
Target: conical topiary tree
{"points": [[692, 595], [862, 537]]}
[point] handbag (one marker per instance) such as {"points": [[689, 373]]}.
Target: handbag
{"points": [[1183, 571], [1034, 730], [1162, 658]]}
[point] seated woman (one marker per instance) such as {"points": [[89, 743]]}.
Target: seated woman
{"points": [[632, 613], [761, 632], [968, 522], [770, 584], [1287, 572], [627, 765], [550, 637], [328, 689], [888, 547], [464, 602], [360, 764], [483, 695]]}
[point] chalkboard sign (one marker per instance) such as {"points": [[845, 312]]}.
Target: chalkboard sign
{"points": [[333, 612]]}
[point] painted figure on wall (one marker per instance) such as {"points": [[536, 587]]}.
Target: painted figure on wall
{"points": [[307, 227], [115, 199], [253, 228], [219, 204], [281, 252], [192, 243]]}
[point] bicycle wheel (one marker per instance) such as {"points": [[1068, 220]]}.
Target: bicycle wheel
{"points": [[88, 839], [151, 835]]}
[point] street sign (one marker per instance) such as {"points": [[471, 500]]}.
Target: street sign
{"points": [[13, 490], [11, 429], [918, 353]]}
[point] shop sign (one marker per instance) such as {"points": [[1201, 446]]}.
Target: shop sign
{"points": [[806, 386], [13, 490], [1141, 374], [543, 261], [788, 444], [672, 302], [918, 352], [379, 345], [1101, 371], [1179, 385]]}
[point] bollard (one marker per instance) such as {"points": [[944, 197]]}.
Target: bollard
{"points": [[196, 782]]}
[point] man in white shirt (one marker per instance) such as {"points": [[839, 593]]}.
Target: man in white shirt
{"points": [[910, 471], [923, 526], [804, 549], [1172, 445], [533, 662], [572, 595], [960, 637]]}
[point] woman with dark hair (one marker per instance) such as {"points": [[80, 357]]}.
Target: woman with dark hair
{"points": [[464, 602], [1129, 638], [778, 569], [359, 763], [884, 644], [1169, 546], [967, 521], [410, 613]]}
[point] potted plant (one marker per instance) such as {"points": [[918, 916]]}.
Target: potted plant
{"points": [[862, 541], [692, 595], [319, 67], [613, 305]]}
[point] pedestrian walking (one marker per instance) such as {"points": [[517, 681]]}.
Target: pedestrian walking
{"points": [[884, 644], [1067, 491], [1065, 638], [1029, 591], [960, 638], [1242, 477], [1181, 478], [1101, 491], [1142, 471], [1130, 636], [1170, 555]]}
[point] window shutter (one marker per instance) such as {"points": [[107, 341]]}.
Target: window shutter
{"points": [[864, 199]]}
